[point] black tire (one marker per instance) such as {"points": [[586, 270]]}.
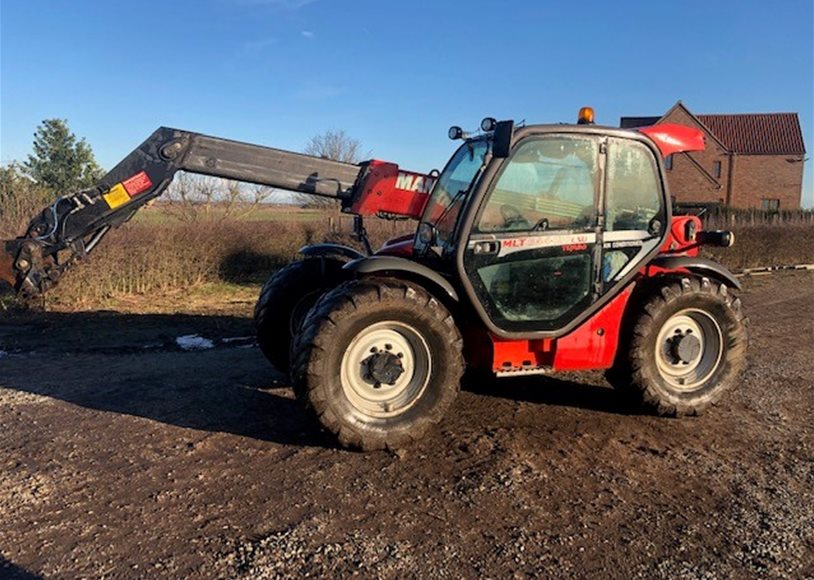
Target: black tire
{"points": [[648, 366], [285, 300], [330, 362]]}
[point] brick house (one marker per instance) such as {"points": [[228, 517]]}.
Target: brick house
{"points": [[751, 160]]}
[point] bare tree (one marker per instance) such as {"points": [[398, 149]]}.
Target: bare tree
{"points": [[193, 197], [335, 145]]}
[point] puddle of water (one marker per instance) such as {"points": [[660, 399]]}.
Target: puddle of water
{"points": [[194, 342]]}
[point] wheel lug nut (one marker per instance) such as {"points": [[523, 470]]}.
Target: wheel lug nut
{"points": [[374, 350], [400, 355], [388, 346]]}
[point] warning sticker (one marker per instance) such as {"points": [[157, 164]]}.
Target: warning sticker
{"points": [[139, 183], [116, 196]]}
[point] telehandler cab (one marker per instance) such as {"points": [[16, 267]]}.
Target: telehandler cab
{"points": [[539, 248]]}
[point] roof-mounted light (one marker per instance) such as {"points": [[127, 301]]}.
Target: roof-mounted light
{"points": [[586, 116], [488, 124], [455, 132]]}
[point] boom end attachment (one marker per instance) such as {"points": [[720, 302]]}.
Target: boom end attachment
{"points": [[25, 269]]}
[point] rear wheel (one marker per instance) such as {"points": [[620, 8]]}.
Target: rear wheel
{"points": [[285, 300], [378, 361], [686, 349]]}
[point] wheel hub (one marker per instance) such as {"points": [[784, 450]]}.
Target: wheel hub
{"points": [[685, 347], [383, 367], [689, 348]]}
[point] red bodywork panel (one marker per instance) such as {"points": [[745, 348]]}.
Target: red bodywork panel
{"points": [[671, 138], [384, 189], [677, 241], [592, 345], [517, 354]]}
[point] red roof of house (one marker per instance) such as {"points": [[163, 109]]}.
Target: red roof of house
{"points": [[758, 133]]}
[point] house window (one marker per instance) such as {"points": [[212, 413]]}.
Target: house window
{"points": [[668, 163], [716, 170], [767, 204]]}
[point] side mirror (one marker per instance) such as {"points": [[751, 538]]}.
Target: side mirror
{"points": [[502, 140]]}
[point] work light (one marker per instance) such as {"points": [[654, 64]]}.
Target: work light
{"points": [[488, 124]]}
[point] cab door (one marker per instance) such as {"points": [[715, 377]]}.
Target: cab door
{"points": [[533, 255], [634, 207]]}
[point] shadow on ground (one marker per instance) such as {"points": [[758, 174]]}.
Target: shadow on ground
{"points": [[130, 364], [10, 571], [581, 391]]}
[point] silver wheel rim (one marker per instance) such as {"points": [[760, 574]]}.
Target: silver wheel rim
{"points": [[386, 400], [691, 372]]}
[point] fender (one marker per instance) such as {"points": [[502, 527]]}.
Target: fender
{"points": [[331, 250], [697, 265], [375, 264]]}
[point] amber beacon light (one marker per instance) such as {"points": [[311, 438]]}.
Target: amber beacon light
{"points": [[586, 116]]}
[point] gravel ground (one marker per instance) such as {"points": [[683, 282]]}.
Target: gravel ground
{"points": [[122, 455]]}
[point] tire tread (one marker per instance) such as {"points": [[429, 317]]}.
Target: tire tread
{"points": [[320, 328], [632, 372]]}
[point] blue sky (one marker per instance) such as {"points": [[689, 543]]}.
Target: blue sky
{"points": [[393, 74]]}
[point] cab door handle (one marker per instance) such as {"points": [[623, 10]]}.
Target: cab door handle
{"points": [[486, 248]]}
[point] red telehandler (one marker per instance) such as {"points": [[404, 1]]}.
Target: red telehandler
{"points": [[539, 248]]}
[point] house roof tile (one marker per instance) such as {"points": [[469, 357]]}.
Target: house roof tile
{"points": [[758, 133]]}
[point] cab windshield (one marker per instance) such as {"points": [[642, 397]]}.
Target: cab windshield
{"points": [[450, 192]]}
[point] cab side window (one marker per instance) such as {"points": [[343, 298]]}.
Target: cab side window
{"points": [[547, 184], [633, 195], [634, 210]]}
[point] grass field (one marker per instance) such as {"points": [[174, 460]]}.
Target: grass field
{"points": [[158, 254], [161, 214]]}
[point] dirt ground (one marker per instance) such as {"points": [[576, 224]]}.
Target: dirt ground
{"points": [[122, 455]]}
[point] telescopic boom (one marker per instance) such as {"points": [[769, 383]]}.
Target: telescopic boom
{"points": [[73, 225]]}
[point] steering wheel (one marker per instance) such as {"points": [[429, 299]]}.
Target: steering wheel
{"points": [[512, 217], [541, 225]]}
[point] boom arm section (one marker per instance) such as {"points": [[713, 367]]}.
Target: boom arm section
{"points": [[73, 225]]}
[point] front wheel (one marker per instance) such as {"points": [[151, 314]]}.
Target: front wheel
{"points": [[687, 347], [378, 361]]}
